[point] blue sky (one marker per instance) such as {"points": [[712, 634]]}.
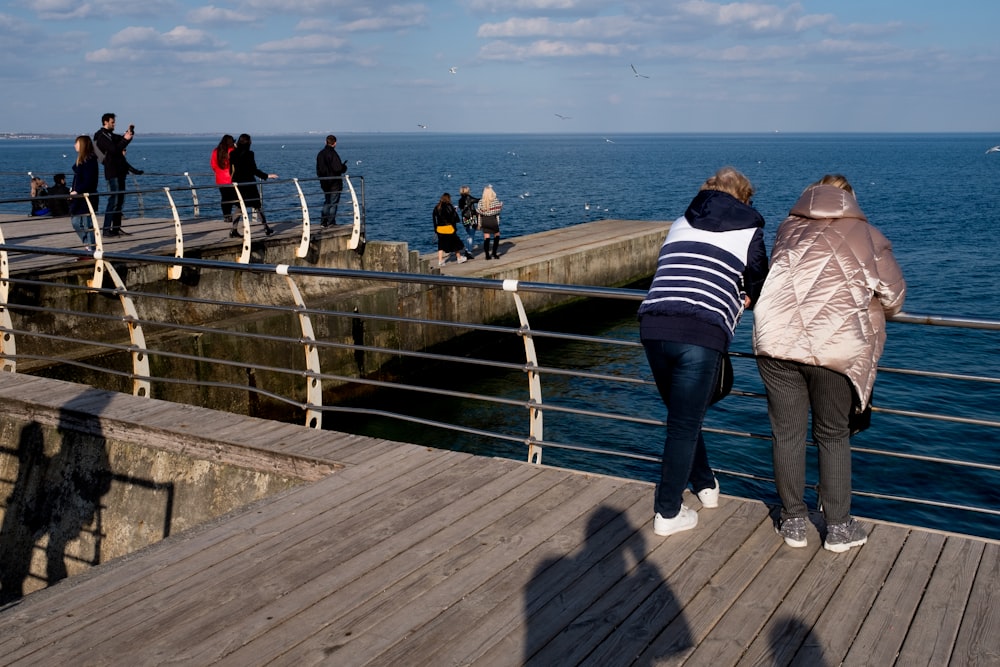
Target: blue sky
{"points": [[275, 66]]}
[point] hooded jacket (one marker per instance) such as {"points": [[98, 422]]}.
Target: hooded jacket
{"points": [[712, 258], [832, 284]]}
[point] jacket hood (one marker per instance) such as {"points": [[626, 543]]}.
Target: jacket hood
{"points": [[827, 202], [717, 211]]}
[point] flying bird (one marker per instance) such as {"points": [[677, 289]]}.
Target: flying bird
{"points": [[421, 126], [995, 149], [562, 117], [453, 70], [636, 73], [607, 140]]}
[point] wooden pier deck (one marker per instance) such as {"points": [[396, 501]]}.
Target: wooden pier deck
{"points": [[413, 556]]}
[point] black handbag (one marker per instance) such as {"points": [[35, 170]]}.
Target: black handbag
{"points": [[724, 381]]}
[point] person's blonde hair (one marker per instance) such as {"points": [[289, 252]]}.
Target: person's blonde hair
{"points": [[730, 181], [836, 179], [489, 196]]}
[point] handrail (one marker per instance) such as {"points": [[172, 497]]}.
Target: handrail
{"points": [[147, 335], [172, 210]]}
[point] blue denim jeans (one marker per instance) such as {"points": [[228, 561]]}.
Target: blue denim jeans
{"points": [[85, 230], [116, 199], [685, 377], [330, 202]]}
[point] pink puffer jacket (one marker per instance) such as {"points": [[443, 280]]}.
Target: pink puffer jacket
{"points": [[833, 282]]}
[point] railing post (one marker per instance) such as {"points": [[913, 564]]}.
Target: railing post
{"points": [[314, 388], [194, 194], [8, 346], [98, 278], [536, 432], [303, 248], [174, 272], [358, 230], [244, 257], [140, 355]]}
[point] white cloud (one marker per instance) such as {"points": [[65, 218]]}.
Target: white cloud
{"points": [[179, 38], [218, 15], [547, 49], [302, 44]]}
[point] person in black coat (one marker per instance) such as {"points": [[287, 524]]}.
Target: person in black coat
{"points": [[59, 193], [110, 149], [330, 168], [245, 175]]}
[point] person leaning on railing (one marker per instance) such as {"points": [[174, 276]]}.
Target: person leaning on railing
{"points": [[711, 267], [819, 330]]}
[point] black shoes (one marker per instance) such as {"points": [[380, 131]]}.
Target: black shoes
{"points": [[268, 231]]}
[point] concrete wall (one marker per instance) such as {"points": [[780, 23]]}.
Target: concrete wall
{"points": [[78, 488]]}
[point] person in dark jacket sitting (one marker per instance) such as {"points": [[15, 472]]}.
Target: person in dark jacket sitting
{"points": [[59, 197]]}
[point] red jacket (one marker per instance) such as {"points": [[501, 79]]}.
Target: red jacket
{"points": [[222, 175]]}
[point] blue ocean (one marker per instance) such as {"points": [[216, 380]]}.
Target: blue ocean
{"points": [[936, 197]]}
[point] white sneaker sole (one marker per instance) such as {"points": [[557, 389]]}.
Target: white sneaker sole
{"points": [[841, 548]]}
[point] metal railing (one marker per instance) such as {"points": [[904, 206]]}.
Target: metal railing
{"points": [[300, 386], [285, 199]]}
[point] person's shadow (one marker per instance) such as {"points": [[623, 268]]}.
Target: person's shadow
{"points": [[575, 602], [57, 497]]}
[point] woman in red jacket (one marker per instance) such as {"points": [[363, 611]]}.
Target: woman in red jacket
{"points": [[223, 177]]}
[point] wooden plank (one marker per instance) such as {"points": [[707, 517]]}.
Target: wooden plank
{"points": [[273, 627], [189, 621], [978, 640], [375, 627], [550, 614], [932, 636], [834, 578], [214, 581], [183, 555], [748, 613], [704, 605], [886, 624], [552, 567], [670, 600]]}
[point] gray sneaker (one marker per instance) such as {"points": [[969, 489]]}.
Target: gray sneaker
{"points": [[842, 536], [793, 530]]}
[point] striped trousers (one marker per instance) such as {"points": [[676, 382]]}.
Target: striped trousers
{"points": [[792, 390]]}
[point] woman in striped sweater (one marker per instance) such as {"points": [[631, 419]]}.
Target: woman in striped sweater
{"points": [[711, 267]]}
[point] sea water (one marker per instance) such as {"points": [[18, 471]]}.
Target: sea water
{"points": [[934, 196]]}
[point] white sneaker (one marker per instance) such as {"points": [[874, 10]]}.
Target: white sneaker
{"points": [[686, 519], [441, 263], [462, 259], [710, 497]]}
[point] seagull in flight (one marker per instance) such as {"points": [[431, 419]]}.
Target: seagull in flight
{"points": [[607, 140], [636, 73], [995, 149], [421, 126], [562, 117], [453, 70]]}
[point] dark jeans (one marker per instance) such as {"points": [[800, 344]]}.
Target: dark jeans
{"points": [[330, 202], [116, 199], [685, 377]]}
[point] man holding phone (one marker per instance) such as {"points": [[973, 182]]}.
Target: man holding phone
{"points": [[110, 148]]}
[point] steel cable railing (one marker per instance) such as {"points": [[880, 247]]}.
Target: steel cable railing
{"points": [[92, 355]]}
